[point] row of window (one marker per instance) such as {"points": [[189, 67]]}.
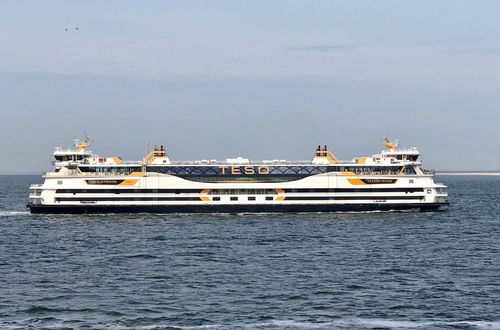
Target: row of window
{"points": [[233, 198], [242, 192], [66, 158], [111, 170], [121, 199], [250, 171], [260, 179], [235, 191], [277, 170], [298, 198], [238, 170]]}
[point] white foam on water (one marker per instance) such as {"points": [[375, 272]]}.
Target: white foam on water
{"points": [[297, 324], [13, 213], [480, 324], [155, 326], [354, 323], [402, 324], [387, 323]]}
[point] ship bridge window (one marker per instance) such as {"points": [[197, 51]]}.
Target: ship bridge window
{"points": [[409, 170], [413, 157], [242, 192], [109, 170], [65, 158], [367, 170]]}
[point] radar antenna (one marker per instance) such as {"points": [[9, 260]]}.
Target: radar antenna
{"points": [[390, 145], [84, 144]]}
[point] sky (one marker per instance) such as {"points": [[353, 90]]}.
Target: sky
{"points": [[258, 79]]}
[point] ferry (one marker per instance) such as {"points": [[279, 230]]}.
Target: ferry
{"points": [[82, 182]]}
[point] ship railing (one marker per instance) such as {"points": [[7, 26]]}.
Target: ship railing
{"points": [[430, 172], [109, 174], [213, 162], [401, 150], [59, 149], [71, 151], [35, 201], [379, 173], [52, 174], [106, 173]]}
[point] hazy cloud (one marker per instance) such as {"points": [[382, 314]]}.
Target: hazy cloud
{"points": [[485, 51], [113, 27], [322, 48], [451, 42], [464, 46]]}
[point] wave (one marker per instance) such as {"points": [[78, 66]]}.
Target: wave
{"points": [[13, 213], [141, 256], [400, 324], [38, 309], [158, 238], [356, 323], [353, 323], [348, 323]]}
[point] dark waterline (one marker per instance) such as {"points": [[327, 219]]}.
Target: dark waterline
{"points": [[433, 270]]}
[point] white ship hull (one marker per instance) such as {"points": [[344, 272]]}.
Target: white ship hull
{"points": [[164, 193]]}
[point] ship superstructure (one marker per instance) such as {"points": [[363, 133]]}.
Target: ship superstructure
{"points": [[86, 183]]}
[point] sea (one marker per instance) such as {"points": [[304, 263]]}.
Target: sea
{"points": [[378, 270]]}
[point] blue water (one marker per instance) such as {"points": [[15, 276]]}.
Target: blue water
{"points": [[437, 270]]}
